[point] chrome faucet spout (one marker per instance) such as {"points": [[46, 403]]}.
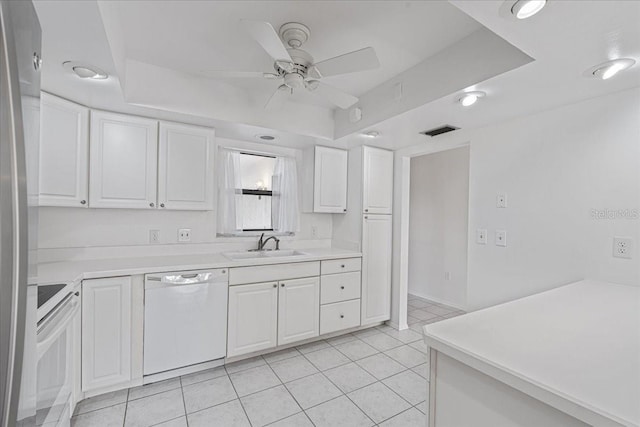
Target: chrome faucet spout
{"points": [[265, 241]]}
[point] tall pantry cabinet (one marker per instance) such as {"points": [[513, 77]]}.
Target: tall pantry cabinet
{"points": [[367, 226]]}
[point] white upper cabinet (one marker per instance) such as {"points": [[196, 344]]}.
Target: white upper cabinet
{"points": [[123, 163], [330, 180], [378, 181], [376, 268], [64, 146], [185, 167], [325, 171]]}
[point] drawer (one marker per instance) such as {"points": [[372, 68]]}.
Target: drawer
{"points": [[340, 315], [341, 265], [339, 287], [273, 272]]}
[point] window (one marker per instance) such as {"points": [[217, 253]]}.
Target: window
{"points": [[256, 176], [256, 193]]}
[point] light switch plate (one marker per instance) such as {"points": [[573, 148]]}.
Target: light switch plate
{"points": [[184, 235], [623, 247], [481, 236], [501, 237], [501, 200]]}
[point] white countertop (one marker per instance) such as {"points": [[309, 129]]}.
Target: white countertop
{"points": [[74, 271], [576, 348]]}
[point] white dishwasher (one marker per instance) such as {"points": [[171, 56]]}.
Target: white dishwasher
{"points": [[185, 319]]}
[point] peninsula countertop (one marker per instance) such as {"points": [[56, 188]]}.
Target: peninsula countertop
{"points": [[576, 348]]}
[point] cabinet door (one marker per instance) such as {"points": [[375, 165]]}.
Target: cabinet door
{"points": [[253, 318], [106, 332], [298, 310], [377, 181], [330, 180], [376, 268], [123, 161], [76, 356], [185, 167], [64, 150]]}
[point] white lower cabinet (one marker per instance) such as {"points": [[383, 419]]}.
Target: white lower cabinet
{"points": [[298, 310], [340, 315], [265, 315], [106, 333], [253, 318], [376, 269]]}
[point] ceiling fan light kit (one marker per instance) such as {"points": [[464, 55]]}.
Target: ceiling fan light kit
{"points": [[297, 68]]}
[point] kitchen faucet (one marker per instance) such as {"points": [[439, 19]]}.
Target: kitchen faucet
{"points": [[262, 242]]}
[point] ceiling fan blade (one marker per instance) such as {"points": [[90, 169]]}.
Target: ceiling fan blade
{"points": [[268, 38], [333, 95], [278, 98], [240, 74], [359, 60]]}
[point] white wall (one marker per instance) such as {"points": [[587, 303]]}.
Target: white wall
{"points": [[556, 167], [86, 233], [439, 196]]}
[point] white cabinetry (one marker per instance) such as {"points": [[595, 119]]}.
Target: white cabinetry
{"points": [[376, 268], [325, 180], [123, 164], [253, 318], [64, 151], [283, 310], [298, 310], [106, 333], [377, 194], [185, 167]]}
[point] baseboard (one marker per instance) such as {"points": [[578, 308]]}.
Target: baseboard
{"points": [[439, 300]]}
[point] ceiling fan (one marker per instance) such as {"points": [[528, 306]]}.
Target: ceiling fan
{"points": [[297, 69]]}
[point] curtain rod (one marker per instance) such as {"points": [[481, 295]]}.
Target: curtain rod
{"points": [[257, 153]]}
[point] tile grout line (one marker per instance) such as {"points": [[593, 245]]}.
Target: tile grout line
{"points": [[237, 396], [126, 407], [184, 403]]}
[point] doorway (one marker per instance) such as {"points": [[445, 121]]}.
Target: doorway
{"points": [[438, 236]]}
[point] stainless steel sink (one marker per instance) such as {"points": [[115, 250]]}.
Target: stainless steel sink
{"points": [[248, 255]]}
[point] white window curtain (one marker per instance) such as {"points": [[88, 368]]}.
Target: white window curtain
{"points": [[284, 210], [229, 193]]}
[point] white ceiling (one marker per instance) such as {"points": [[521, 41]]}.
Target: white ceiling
{"points": [[197, 36], [176, 38]]}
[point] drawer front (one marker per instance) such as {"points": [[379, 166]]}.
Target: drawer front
{"points": [[339, 287], [340, 315], [273, 272], [341, 265]]}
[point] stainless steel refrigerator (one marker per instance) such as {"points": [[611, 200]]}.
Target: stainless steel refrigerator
{"points": [[20, 37]]}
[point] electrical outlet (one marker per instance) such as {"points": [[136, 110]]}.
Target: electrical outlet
{"points": [[154, 236], [184, 235], [501, 237], [481, 236], [623, 247], [447, 275], [501, 200], [314, 231]]}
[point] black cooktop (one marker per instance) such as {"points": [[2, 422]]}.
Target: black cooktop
{"points": [[46, 292]]}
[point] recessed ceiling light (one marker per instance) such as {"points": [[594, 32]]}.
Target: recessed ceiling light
{"points": [[469, 98], [85, 71], [266, 137], [608, 69], [371, 134], [523, 9]]}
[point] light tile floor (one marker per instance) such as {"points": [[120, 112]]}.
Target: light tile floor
{"points": [[374, 377]]}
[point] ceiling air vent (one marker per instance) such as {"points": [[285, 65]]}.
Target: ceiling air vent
{"points": [[440, 130]]}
